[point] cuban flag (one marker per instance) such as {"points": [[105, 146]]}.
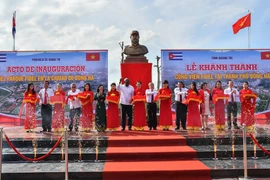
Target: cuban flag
{"points": [[3, 58], [14, 25], [178, 56]]}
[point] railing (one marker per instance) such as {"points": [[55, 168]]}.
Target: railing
{"points": [[35, 159]]}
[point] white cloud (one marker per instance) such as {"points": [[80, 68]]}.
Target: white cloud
{"points": [[159, 20], [144, 8]]}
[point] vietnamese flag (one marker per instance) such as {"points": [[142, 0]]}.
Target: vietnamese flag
{"points": [[92, 56], [265, 55], [242, 23]]}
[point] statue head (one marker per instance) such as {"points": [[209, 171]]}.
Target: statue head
{"points": [[135, 49], [134, 37]]}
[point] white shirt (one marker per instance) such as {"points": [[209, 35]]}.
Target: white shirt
{"points": [[126, 93], [49, 93], [229, 92], [76, 102], [149, 93], [179, 93]]}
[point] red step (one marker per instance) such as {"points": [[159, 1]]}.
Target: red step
{"points": [[156, 170], [154, 153], [145, 138]]}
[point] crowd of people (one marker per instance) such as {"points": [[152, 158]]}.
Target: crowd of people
{"points": [[138, 107]]}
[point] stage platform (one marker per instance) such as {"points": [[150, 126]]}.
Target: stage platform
{"points": [[145, 155]]}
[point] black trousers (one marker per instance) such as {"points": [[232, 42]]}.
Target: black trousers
{"points": [[126, 110], [152, 115], [181, 114], [232, 109], [46, 115], [74, 114]]}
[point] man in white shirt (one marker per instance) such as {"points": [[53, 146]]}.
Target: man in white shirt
{"points": [[151, 106], [232, 105], [126, 93], [180, 108], [46, 107], [75, 107]]}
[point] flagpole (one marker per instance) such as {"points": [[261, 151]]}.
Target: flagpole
{"points": [[14, 44], [14, 37], [248, 34]]}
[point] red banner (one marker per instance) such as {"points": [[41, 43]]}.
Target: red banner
{"points": [[58, 99], [113, 99], [138, 98]]}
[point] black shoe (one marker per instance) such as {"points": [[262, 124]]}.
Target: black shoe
{"points": [[44, 130], [177, 128], [122, 129], [184, 128], [236, 127], [76, 129], [149, 128], [155, 128], [49, 130], [129, 129], [229, 127]]}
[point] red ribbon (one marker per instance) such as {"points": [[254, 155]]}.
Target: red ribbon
{"points": [[257, 143], [33, 159]]}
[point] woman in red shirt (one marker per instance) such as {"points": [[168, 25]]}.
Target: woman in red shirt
{"points": [[165, 95], [218, 101], [248, 103], [86, 98], [113, 96], [58, 120], [30, 100], [139, 107], [194, 100]]}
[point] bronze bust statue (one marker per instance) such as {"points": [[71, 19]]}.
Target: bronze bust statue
{"points": [[135, 50]]}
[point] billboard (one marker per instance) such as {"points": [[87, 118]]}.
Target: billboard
{"points": [[209, 66], [17, 69]]}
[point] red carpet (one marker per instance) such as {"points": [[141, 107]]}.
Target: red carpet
{"points": [[151, 155]]}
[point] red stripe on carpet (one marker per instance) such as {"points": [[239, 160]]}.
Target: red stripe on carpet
{"points": [[155, 153], [161, 170]]}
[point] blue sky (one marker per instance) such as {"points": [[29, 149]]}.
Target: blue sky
{"points": [[163, 24]]}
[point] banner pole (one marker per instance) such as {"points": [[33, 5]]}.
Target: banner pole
{"points": [[245, 150], [1, 150], [66, 153]]}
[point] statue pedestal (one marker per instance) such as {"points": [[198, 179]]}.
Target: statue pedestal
{"points": [[139, 59], [137, 70]]}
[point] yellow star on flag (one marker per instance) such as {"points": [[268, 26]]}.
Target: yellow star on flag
{"points": [[267, 55], [242, 23], [93, 57]]}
